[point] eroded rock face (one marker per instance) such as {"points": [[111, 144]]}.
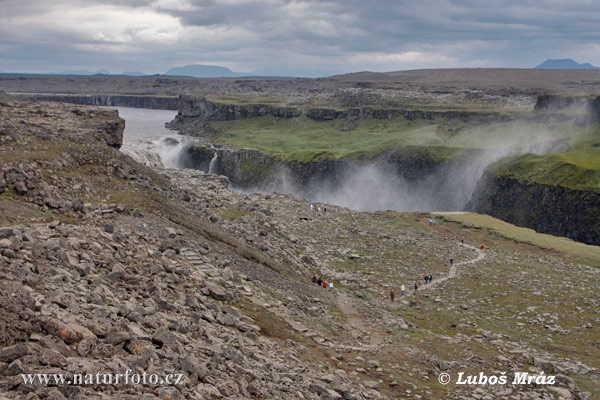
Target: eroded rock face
{"points": [[555, 210]]}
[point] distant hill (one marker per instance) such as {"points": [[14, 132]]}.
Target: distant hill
{"points": [[564, 63], [202, 71], [304, 73], [133, 73], [82, 72]]}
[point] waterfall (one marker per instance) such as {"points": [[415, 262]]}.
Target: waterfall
{"points": [[213, 161]]}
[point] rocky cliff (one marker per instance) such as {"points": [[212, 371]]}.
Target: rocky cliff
{"points": [[205, 110], [552, 209], [588, 106], [433, 173], [152, 102]]}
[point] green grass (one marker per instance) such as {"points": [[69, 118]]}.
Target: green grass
{"points": [[575, 250], [578, 168], [304, 139]]}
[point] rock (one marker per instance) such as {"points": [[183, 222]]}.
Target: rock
{"points": [[317, 388], [193, 367], [70, 333], [54, 224], [117, 337], [370, 384], [217, 292], [52, 358], [6, 232], [561, 392], [117, 272], [544, 365], [135, 347], [20, 188], [164, 338], [373, 364], [11, 353], [171, 233], [332, 394]]}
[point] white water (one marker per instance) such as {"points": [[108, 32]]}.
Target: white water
{"points": [[147, 140], [213, 161]]}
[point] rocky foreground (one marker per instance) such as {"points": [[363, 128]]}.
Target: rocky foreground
{"points": [[107, 266]]}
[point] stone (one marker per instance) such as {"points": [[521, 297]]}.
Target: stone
{"points": [[117, 272], [193, 367], [164, 338], [11, 353], [53, 358], [370, 384], [117, 337], [20, 188], [544, 365], [217, 292], [6, 232], [70, 333], [561, 392]]}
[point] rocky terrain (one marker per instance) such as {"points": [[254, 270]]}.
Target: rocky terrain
{"points": [[108, 266]]}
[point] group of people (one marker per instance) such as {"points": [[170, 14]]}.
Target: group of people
{"points": [[428, 278], [322, 282], [318, 209], [393, 294]]}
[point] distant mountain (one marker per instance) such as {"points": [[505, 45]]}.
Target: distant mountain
{"points": [[564, 63], [213, 71], [133, 73], [301, 73], [202, 71], [82, 72]]}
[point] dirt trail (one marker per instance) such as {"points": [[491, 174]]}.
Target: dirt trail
{"points": [[357, 321], [454, 269]]}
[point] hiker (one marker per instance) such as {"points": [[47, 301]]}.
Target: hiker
{"points": [[416, 287], [319, 281], [430, 277], [430, 221], [330, 284], [324, 210], [402, 289], [482, 247], [314, 278], [391, 295], [324, 283], [426, 279], [451, 261], [434, 221], [462, 240]]}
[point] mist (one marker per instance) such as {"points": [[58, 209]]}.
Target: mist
{"points": [[380, 185], [362, 185]]}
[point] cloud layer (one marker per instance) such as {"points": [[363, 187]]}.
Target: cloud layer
{"points": [[341, 35]]}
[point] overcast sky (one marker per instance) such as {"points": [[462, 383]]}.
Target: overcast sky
{"points": [[152, 36]]}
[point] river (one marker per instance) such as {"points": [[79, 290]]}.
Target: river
{"points": [[147, 140]]}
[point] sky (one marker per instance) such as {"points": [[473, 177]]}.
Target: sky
{"points": [[152, 36]]}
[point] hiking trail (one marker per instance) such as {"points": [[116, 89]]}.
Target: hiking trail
{"points": [[454, 269]]}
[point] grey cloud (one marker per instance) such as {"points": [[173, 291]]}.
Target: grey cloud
{"points": [[255, 34]]}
